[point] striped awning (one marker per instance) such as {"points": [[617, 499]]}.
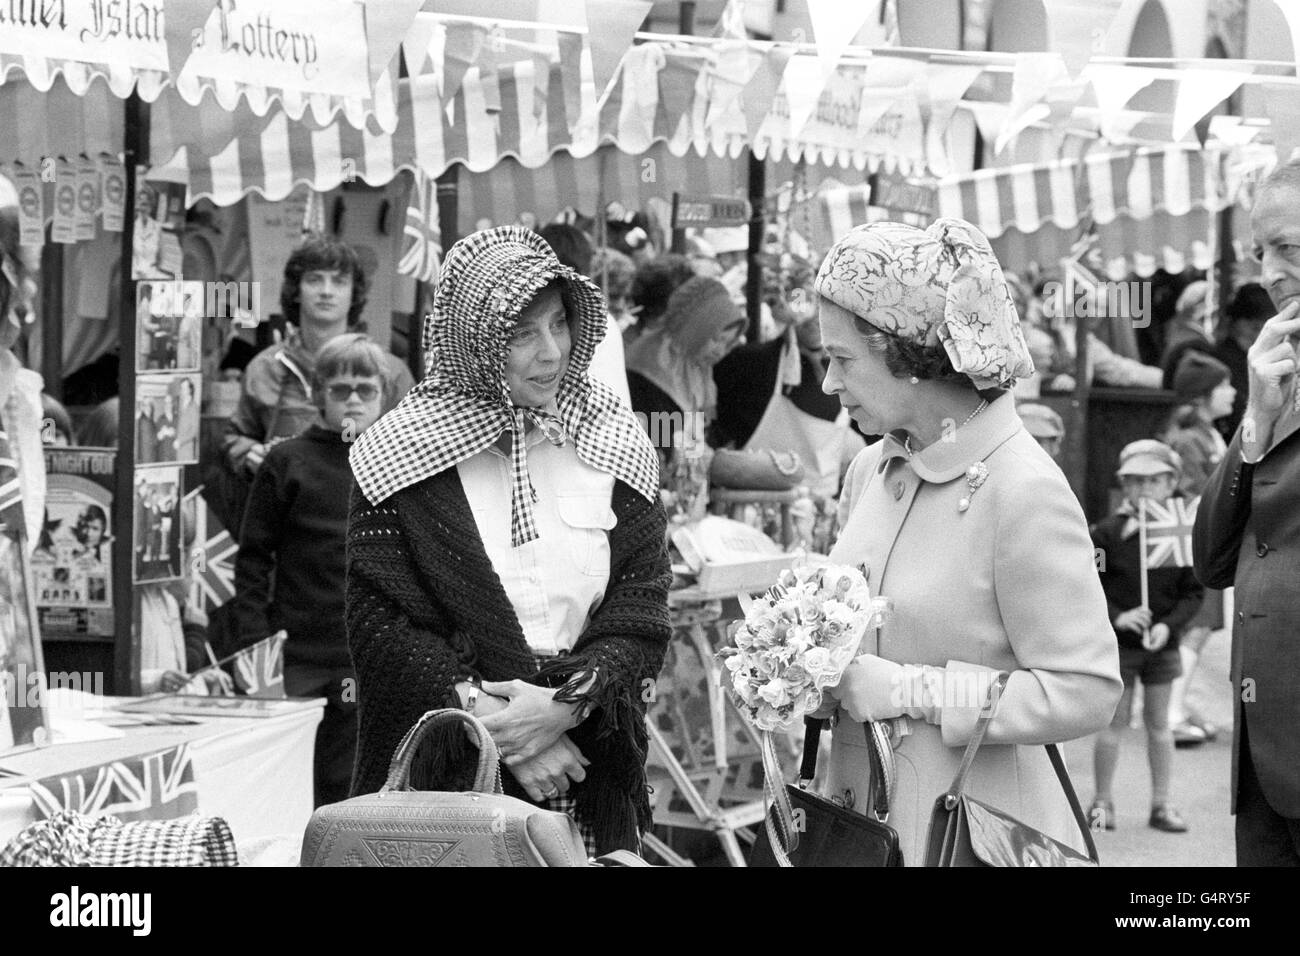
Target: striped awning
{"points": [[1151, 207]]}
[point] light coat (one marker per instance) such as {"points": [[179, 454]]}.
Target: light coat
{"points": [[1008, 584]]}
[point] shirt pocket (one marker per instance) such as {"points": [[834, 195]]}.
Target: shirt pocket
{"points": [[589, 518]]}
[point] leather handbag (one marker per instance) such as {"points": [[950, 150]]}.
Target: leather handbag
{"points": [[968, 832], [756, 470], [823, 833], [399, 826]]}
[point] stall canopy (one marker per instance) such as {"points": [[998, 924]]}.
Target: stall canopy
{"points": [[1156, 201]]}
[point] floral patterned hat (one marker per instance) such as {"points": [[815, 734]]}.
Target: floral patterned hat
{"points": [[941, 285]]}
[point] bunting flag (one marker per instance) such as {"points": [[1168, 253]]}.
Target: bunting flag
{"points": [[570, 45], [758, 95], [418, 42], [835, 23], [1078, 29], [259, 669], [1169, 533], [946, 86], [803, 86], [1037, 77], [157, 786], [421, 236], [1200, 91], [387, 24], [611, 25], [11, 492], [730, 71], [677, 82], [1113, 87], [460, 51], [1283, 108]]}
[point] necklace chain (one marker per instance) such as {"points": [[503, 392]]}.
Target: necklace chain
{"points": [[907, 440]]}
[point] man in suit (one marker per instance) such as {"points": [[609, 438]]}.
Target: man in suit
{"points": [[1247, 536]]}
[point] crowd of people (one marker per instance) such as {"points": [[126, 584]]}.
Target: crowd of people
{"points": [[493, 537]]}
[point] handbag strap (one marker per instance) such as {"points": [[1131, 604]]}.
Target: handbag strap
{"points": [[878, 745], [1053, 754], [487, 779]]}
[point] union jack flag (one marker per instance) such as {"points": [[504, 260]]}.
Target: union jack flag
{"points": [[157, 786], [1169, 533], [11, 493], [421, 250], [213, 582], [259, 669]]}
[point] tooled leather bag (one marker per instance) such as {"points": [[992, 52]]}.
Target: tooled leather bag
{"points": [[820, 832], [399, 826], [968, 832]]}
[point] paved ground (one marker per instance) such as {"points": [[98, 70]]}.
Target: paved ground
{"points": [[1200, 783]]}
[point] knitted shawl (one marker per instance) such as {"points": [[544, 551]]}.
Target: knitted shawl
{"points": [[425, 609]]}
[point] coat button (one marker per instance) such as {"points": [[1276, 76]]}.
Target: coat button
{"points": [[1262, 549], [899, 488]]}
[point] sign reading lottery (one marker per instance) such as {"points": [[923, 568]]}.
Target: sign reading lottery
{"points": [[305, 45], [128, 32]]}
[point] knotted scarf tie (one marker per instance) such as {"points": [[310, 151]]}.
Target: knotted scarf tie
{"points": [[522, 493]]}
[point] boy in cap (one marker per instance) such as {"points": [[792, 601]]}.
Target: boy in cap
{"points": [[1205, 394], [1147, 634], [1045, 425]]}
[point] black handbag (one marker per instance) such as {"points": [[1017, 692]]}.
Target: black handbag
{"points": [[819, 831], [967, 832]]}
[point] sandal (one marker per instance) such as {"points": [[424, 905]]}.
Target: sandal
{"points": [[1101, 815], [1168, 819]]}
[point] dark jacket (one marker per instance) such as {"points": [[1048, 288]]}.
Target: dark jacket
{"points": [[289, 572], [1173, 594], [425, 609], [1247, 537]]}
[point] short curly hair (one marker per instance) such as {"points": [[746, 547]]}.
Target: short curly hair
{"points": [[905, 359], [323, 253]]}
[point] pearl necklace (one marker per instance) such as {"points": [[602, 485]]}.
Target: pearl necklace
{"points": [[907, 439]]}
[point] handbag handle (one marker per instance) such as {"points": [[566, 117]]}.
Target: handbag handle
{"points": [[878, 742], [487, 778], [1053, 754]]}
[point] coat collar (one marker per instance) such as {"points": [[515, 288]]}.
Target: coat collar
{"points": [[948, 459]]}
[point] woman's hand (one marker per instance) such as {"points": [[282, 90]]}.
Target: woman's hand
{"points": [[1136, 619], [550, 773], [1157, 637], [871, 688], [530, 722]]}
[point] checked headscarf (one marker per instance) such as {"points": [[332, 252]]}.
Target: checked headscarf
{"points": [[463, 404]]}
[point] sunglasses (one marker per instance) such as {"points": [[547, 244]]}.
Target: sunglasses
{"points": [[341, 393]]}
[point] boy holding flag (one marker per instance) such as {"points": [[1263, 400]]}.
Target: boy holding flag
{"points": [[1145, 566]]}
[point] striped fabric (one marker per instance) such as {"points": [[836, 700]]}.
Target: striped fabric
{"points": [[1152, 207], [11, 494]]}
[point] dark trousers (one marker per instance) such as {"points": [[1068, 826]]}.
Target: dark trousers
{"points": [[336, 737], [1264, 836]]}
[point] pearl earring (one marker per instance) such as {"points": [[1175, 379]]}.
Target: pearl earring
{"points": [[914, 380]]}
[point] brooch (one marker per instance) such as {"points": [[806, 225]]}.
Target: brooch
{"points": [[976, 475]]}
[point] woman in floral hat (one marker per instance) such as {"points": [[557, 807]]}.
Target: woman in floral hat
{"points": [[967, 525], [506, 548]]}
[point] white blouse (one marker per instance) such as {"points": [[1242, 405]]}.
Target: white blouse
{"points": [[557, 580]]}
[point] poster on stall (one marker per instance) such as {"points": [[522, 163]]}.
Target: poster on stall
{"points": [[112, 190], [72, 566], [274, 230], [159, 216], [169, 323], [167, 419], [156, 540], [64, 230], [31, 208], [87, 200]]}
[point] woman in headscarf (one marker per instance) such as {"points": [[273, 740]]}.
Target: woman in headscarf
{"points": [[670, 367], [967, 525], [506, 551]]}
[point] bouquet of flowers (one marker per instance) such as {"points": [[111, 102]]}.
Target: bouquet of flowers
{"points": [[796, 640]]}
